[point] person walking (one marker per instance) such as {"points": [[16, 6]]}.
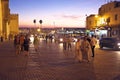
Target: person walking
{"points": [[26, 46], [69, 43], [85, 49], [46, 38], [22, 42], [64, 43], [36, 43], [78, 54], [93, 42], [17, 44]]}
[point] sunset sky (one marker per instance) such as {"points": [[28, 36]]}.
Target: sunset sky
{"points": [[54, 13]]}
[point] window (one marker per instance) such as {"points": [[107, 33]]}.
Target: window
{"points": [[90, 22], [109, 8], [116, 17], [108, 20]]}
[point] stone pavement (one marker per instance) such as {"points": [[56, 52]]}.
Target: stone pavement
{"points": [[52, 63]]}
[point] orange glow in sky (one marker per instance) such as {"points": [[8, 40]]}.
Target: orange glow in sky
{"points": [[54, 13]]}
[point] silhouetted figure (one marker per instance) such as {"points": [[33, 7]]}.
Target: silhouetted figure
{"points": [[46, 38], [64, 43], [1, 38], [26, 45]]}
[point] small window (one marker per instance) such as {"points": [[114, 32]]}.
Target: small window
{"points": [[90, 22], [116, 17], [108, 20], [109, 8]]}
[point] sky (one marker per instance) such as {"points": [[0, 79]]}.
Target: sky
{"points": [[54, 13]]}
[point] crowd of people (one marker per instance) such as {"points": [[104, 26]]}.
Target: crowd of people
{"points": [[21, 44], [67, 43], [84, 49]]}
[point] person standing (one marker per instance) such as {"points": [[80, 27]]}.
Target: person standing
{"points": [[85, 49], [93, 42], [78, 54]]}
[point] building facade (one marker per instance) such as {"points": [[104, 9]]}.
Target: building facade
{"points": [[7, 20], [92, 21], [14, 23], [108, 18]]}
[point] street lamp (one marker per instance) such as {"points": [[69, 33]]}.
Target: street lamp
{"points": [[38, 30]]}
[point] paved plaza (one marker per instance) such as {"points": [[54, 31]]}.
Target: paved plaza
{"points": [[52, 63]]}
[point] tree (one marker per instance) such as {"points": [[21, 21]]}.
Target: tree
{"points": [[40, 21]]}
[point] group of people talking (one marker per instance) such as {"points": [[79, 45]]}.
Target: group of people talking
{"points": [[84, 48], [21, 44]]}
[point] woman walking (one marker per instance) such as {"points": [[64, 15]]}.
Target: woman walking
{"points": [[85, 48], [36, 43], [78, 54]]}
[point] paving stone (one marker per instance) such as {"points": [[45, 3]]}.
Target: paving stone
{"points": [[52, 63]]}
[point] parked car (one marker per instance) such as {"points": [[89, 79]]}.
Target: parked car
{"points": [[110, 43]]}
